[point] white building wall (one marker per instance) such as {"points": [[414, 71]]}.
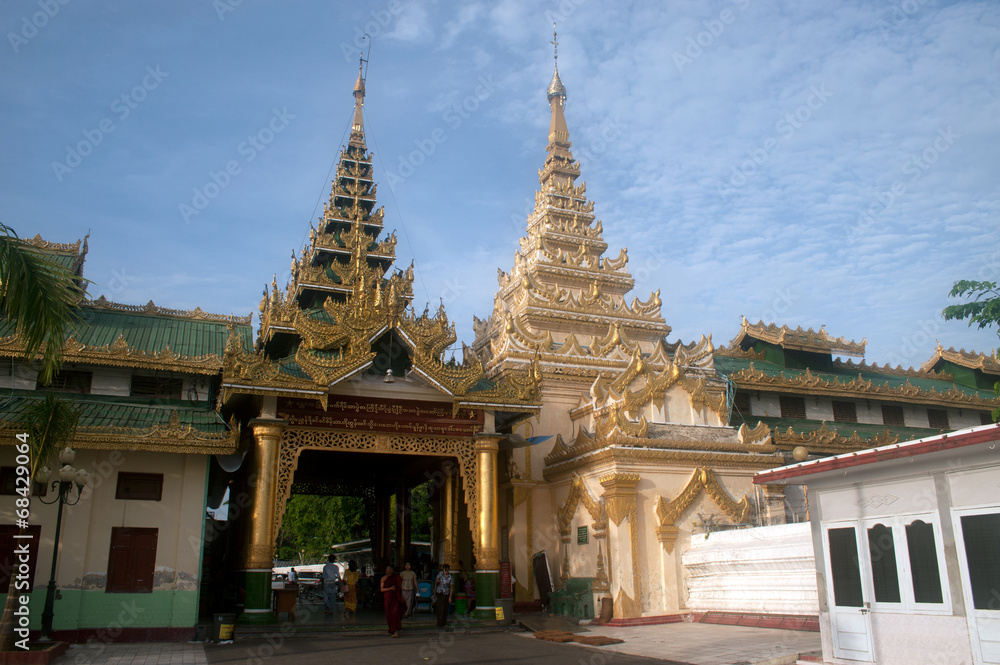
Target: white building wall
{"points": [[767, 570]]}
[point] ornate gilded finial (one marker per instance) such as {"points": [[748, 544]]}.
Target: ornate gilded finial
{"points": [[556, 87], [358, 124]]}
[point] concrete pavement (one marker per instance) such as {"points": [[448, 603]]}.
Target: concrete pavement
{"points": [[670, 644]]}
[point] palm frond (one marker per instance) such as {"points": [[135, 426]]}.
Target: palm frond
{"points": [[50, 424], [38, 295]]}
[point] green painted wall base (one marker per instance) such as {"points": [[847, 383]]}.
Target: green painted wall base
{"points": [[113, 612]]}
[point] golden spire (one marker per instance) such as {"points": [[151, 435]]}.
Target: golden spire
{"points": [[558, 131], [358, 125]]}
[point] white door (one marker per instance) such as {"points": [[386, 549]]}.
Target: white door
{"points": [[850, 619], [977, 533]]}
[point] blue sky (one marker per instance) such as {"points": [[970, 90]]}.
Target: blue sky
{"points": [[804, 163]]}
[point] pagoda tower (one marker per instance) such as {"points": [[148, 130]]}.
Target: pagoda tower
{"points": [[342, 364], [564, 301], [340, 275]]}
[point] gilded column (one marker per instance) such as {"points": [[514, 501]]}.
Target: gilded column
{"points": [[447, 537], [488, 545], [258, 556]]}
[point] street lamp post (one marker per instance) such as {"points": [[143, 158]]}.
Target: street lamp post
{"points": [[68, 477]]}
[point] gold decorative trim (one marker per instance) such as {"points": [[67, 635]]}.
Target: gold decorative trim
{"points": [[151, 309], [851, 366], [41, 243], [294, 440], [810, 384], [578, 493], [737, 352], [170, 438], [968, 359], [804, 340], [828, 441], [120, 354], [759, 434], [703, 478]]}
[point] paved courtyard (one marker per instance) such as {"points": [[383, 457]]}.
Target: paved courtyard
{"points": [[672, 644]]}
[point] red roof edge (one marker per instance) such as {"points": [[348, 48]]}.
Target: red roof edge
{"points": [[949, 441]]}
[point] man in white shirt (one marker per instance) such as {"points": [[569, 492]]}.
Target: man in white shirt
{"points": [[331, 583]]}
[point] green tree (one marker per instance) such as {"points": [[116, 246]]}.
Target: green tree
{"points": [[312, 523], [983, 309], [49, 424], [420, 513], [38, 295]]}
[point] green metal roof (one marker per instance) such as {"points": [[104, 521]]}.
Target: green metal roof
{"points": [[152, 332], [728, 365], [114, 411]]}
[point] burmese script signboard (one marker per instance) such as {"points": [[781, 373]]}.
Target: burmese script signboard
{"points": [[397, 416]]}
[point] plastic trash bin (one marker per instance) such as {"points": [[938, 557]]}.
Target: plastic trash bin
{"points": [[461, 604], [223, 627]]}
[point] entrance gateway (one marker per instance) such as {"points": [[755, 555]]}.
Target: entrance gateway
{"points": [[344, 365]]}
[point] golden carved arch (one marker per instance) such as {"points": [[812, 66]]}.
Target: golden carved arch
{"points": [[703, 478], [578, 493], [295, 440]]}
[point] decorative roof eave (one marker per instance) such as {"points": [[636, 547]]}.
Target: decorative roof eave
{"points": [[307, 390], [826, 441], [120, 354], [810, 384], [968, 359], [743, 442], [152, 309], [170, 438], [648, 456], [798, 339]]}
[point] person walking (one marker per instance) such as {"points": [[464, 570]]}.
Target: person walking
{"points": [[409, 588], [351, 590], [392, 597], [443, 593], [331, 584]]}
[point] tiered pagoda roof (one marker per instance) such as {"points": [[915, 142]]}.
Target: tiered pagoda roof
{"points": [[342, 307], [564, 300]]}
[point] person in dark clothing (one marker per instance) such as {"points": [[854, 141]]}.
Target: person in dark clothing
{"points": [[443, 592]]}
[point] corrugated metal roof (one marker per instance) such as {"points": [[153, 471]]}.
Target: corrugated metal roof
{"points": [[729, 365], [107, 411]]}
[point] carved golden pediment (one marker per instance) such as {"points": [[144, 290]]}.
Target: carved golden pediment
{"points": [[578, 493], [703, 479]]}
